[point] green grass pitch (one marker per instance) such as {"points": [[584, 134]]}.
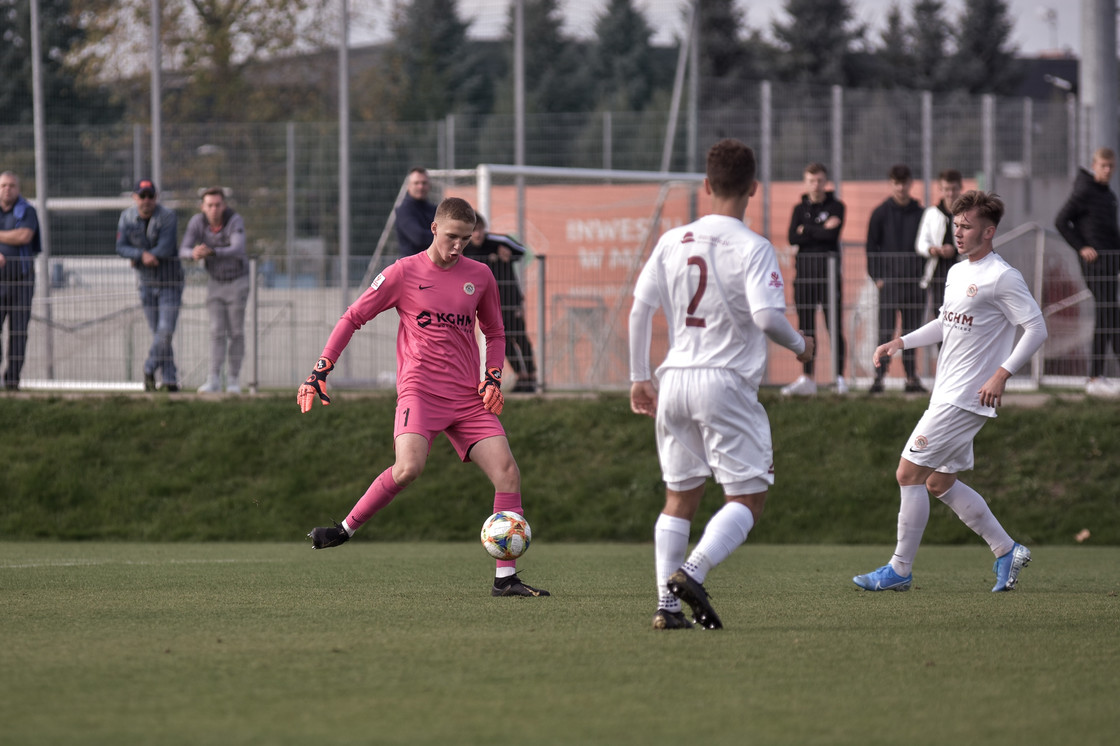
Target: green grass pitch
{"points": [[375, 643]]}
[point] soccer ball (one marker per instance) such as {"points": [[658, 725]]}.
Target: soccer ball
{"points": [[506, 535]]}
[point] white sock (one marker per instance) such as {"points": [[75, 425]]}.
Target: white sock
{"points": [[727, 529], [913, 515], [504, 572], [973, 510], [349, 531], [670, 542]]}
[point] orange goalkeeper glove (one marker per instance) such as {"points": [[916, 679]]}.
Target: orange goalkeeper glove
{"points": [[491, 391], [316, 384]]}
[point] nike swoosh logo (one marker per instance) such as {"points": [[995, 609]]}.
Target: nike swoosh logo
{"points": [[425, 287], [915, 450]]}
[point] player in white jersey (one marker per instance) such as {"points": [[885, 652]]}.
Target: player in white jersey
{"points": [[722, 293], [986, 299]]}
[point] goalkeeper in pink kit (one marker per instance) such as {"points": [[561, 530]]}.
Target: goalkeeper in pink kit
{"points": [[438, 295]]}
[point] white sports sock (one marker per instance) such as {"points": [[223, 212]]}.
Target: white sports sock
{"points": [[670, 542], [349, 531], [727, 529], [973, 510], [913, 515]]}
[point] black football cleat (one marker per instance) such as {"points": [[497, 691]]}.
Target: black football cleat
{"points": [[512, 586], [692, 593], [665, 619], [325, 537]]}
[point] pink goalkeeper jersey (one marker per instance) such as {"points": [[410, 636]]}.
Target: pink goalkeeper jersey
{"points": [[436, 348]]}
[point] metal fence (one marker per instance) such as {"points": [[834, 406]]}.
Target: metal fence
{"points": [[87, 328]]}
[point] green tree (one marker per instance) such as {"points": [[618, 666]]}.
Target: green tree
{"points": [[984, 61], [556, 76], [427, 75], [818, 42], [622, 58], [731, 54], [207, 47], [68, 99], [894, 58], [929, 34]]}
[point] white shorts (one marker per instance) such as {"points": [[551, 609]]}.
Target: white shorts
{"points": [[942, 439], [709, 422]]}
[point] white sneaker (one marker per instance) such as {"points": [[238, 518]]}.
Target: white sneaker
{"points": [[233, 386], [210, 387], [803, 386], [841, 385], [1103, 387]]}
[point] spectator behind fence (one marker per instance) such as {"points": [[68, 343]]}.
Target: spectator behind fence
{"points": [[19, 243], [146, 235], [986, 300], [719, 285], [935, 238], [216, 237], [814, 229], [1088, 223], [896, 270], [414, 215], [500, 254]]}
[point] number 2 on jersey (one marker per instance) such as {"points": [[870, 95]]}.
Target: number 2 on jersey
{"points": [[701, 286]]}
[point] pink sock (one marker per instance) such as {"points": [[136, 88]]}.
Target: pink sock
{"points": [[508, 501], [379, 494]]}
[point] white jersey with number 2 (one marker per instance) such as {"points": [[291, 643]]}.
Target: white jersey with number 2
{"points": [[708, 277]]}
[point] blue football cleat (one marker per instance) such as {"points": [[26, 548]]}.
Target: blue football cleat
{"points": [[884, 579], [1008, 567]]}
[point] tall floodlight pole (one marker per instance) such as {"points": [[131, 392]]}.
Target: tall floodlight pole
{"points": [[1098, 77], [519, 109], [344, 153], [41, 176], [157, 89]]}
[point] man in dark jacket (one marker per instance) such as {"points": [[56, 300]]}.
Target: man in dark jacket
{"points": [[897, 270], [1088, 223], [414, 215], [500, 253], [146, 235], [19, 243], [814, 229]]}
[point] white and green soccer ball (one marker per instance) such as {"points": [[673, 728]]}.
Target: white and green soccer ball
{"points": [[506, 535]]}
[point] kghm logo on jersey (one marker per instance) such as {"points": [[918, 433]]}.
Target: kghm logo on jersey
{"points": [[972, 291], [424, 319], [688, 238], [775, 280], [468, 288], [377, 281], [961, 321]]}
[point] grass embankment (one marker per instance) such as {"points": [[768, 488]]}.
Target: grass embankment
{"points": [[151, 469]]}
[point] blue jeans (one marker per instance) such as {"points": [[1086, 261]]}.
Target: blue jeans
{"points": [[161, 308]]}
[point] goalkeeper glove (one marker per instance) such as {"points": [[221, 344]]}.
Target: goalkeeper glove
{"points": [[316, 383], [491, 391]]}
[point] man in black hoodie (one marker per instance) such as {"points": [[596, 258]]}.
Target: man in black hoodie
{"points": [[1088, 223], [814, 229], [897, 270]]}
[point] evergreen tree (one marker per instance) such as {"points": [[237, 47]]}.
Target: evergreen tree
{"points": [[622, 59], [818, 42], [985, 60], [426, 72], [895, 59], [556, 78], [68, 100], [929, 33], [731, 54]]}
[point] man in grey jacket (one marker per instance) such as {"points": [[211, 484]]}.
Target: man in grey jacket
{"points": [[216, 237], [146, 234]]}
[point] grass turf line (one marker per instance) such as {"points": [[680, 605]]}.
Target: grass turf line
{"points": [[400, 643]]}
